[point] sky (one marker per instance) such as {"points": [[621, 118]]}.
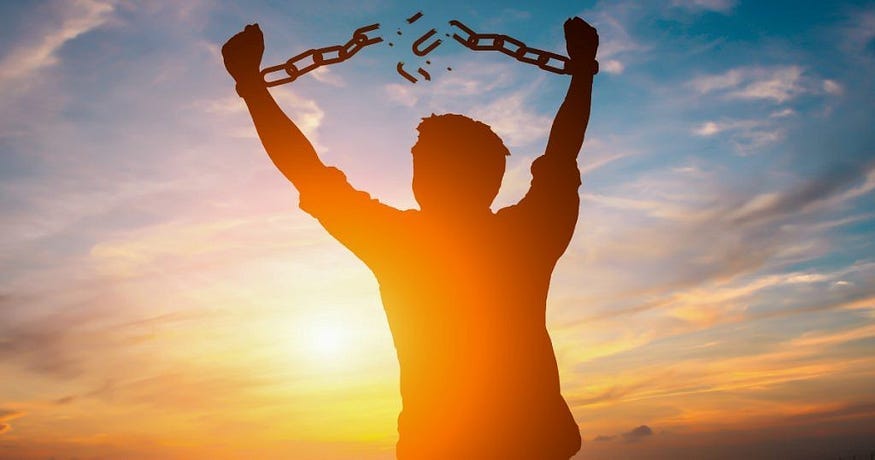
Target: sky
{"points": [[162, 295]]}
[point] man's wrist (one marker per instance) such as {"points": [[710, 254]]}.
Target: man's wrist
{"points": [[250, 85], [585, 67]]}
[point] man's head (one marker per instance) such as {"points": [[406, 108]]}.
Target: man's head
{"points": [[458, 164]]}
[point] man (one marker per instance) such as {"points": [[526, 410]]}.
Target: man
{"points": [[464, 289]]}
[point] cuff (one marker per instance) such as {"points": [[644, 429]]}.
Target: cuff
{"points": [[247, 87], [582, 68]]}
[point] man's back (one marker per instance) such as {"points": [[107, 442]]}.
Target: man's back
{"points": [[478, 373], [466, 300]]}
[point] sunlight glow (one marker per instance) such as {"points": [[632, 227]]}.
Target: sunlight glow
{"points": [[327, 339]]}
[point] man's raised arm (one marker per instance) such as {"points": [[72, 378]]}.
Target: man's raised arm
{"points": [[284, 142], [552, 204], [569, 126]]}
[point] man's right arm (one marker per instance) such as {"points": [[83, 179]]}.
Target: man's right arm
{"points": [[287, 146], [364, 225]]}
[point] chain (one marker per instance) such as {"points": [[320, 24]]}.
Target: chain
{"points": [[516, 49], [320, 57], [315, 58]]}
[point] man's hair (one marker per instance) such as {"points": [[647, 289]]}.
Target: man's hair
{"points": [[462, 135], [455, 160]]}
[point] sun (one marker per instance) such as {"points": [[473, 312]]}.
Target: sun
{"points": [[340, 339], [327, 339]]}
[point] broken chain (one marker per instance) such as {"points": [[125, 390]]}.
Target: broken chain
{"points": [[515, 49], [546, 60], [321, 56]]}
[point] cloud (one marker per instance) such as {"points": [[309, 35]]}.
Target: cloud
{"points": [[728, 249], [777, 84], [612, 66], [783, 113], [55, 345], [109, 340], [614, 36], [824, 339], [747, 135], [308, 115], [680, 366], [833, 186], [840, 284], [512, 118], [832, 87], [327, 76], [857, 411], [859, 33], [171, 248], [402, 94], [472, 78], [500, 20], [710, 83], [597, 157], [190, 387], [722, 6], [710, 128], [637, 434], [38, 51], [7, 415], [613, 393], [65, 400]]}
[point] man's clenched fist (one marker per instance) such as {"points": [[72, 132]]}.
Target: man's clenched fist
{"points": [[242, 54], [582, 41]]}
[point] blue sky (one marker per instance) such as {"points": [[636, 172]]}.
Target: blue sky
{"points": [[720, 288]]}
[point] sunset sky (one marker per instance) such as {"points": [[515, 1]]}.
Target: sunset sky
{"points": [[162, 295]]}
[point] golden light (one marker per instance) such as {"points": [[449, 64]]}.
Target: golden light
{"points": [[327, 338], [340, 338]]}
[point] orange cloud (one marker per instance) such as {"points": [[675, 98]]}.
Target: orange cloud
{"points": [[7, 415]]}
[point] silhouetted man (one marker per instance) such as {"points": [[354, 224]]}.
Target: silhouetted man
{"points": [[464, 289]]}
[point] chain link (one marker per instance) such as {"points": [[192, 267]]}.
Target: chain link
{"points": [[319, 57], [514, 48]]}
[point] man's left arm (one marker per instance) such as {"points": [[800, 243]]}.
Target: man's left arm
{"points": [[548, 212], [569, 126]]}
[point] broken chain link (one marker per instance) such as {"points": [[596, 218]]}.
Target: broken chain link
{"points": [[321, 56]]}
